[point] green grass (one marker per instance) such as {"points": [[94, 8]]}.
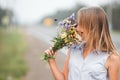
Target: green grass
{"points": [[12, 49]]}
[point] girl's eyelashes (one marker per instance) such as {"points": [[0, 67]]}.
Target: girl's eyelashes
{"points": [[79, 32]]}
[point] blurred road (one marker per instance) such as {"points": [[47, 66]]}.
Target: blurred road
{"points": [[38, 42], [44, 33]]}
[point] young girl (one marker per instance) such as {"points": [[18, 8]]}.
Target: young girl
{"points": [[96, 57]]}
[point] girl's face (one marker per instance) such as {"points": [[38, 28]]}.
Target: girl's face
{"points": [[81, 32]]}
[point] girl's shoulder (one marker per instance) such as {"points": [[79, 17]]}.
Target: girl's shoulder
{"points": [[114, 57], [114, 60]]}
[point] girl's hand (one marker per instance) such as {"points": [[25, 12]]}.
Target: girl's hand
{"points": [[50, 52]]}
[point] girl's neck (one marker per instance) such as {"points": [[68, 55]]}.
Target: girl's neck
{"points": [[88, 44]]}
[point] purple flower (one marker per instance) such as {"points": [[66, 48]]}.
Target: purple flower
{"points": [[68, 27], [66, 23]]}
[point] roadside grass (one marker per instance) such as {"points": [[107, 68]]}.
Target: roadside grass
{"points": [[12, 49]]}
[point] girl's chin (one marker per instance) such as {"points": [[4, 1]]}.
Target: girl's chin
{"points": [[82, 39]]}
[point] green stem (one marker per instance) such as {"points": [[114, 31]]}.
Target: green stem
{"points": [[46, 57]]}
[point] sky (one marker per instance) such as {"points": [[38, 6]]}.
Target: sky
{"points": [[29, 11]]}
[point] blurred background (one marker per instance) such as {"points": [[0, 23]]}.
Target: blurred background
{"points": [[27, 28]]}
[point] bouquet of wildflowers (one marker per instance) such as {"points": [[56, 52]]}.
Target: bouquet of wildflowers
{"points": [[66, 37]]}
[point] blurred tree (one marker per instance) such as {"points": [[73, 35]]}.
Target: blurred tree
{"points": [[113, 14], [2, 14], [5, 17], [116, 16]]}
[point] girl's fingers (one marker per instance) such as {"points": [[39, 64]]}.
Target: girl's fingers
{"points": [[50, 51], [55, 54], [47, 52]]}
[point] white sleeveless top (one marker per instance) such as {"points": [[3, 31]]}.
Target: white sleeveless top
{"points": [[90, 68]]}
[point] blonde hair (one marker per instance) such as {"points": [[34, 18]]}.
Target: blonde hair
{"points": [[94, 21]]}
